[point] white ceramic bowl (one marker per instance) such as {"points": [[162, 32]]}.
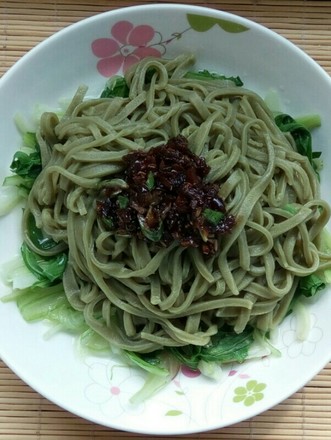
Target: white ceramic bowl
{"points": [[83, 53]]}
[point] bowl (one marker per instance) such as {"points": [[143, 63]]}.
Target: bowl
{"points": [[89, 52]]}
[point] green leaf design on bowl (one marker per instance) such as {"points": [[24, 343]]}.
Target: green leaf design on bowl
{"points": [[202, 23], [174, 413], [250, 393]]}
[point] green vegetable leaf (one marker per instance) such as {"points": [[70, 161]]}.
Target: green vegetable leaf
{"points": [[37, 237], [301, 136], [93, 342], [202, 23], [26, 165], [310, 285], [309, 121], [36, 303], [189, 355], [46, 269], [205, 74], [30, 141], [160, 370], [226, 346], [115, 87], [150, 362], [23, 183]]}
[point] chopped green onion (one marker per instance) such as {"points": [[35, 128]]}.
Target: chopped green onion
{"points": [[150, 182], [151, 234], [213, 216], [123, 201], [108, 222]]}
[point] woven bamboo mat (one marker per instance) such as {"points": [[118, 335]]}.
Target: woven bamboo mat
{"points": [[24, 414]]}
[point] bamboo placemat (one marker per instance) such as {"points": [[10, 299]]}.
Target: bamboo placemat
{"points": [[24, 414]]}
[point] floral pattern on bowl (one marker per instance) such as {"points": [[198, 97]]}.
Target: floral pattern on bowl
{"points": [[130, 43]]}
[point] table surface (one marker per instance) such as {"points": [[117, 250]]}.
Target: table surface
{"points": [[24, 414]]}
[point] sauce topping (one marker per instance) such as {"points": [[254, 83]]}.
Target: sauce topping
{"points": [[162, 196]]}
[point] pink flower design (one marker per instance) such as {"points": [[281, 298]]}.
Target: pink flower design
{"points": [[188, 372], [128, 45]]}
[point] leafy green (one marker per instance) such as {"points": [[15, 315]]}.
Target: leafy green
{"points": [[46, 269], [93, 342], [16, 275], [309, 121], [36, 303], [37, 236], [50, 303], [30, 140], [115, 87], [213, 370], [310, 285], [206, 75], [303, 321], [160, 370], [26, 166], [301, 136], [226, 346], [150, 362], [22, 183], [151, 386]]}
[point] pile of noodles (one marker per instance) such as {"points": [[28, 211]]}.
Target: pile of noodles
{"points": [[141, 296]]}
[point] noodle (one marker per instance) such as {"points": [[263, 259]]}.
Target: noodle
{"points": [[141, 296]]}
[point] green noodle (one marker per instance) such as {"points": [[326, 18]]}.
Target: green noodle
{"points": [[139, 296]]}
